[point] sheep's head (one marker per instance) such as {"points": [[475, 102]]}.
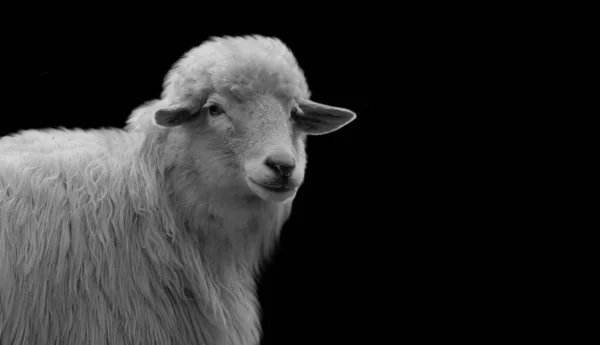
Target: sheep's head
{"points": [[242, 103]]}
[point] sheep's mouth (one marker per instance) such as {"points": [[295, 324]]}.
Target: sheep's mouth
{"points": [[283, 187]]}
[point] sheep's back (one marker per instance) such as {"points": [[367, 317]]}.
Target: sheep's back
{"points": [[47, 147]]}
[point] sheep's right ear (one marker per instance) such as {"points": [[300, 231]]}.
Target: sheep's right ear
{"points": [[174, 114]]}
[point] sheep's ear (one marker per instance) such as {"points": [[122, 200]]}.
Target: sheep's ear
{"points": [[317, 119], [174, 114]]}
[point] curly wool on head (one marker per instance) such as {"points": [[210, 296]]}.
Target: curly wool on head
{"points": [[244, 66]]}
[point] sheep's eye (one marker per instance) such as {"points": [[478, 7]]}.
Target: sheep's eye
{"points": [[295, 112], [214, 110]]}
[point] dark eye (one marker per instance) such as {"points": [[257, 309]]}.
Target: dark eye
{"points": [[215, 110], [295, 112]]}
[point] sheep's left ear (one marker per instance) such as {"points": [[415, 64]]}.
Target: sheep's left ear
{"points": [[317, 119], [175, 114]]}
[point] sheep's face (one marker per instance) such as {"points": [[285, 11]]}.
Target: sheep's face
{"points": [[256, 145]]}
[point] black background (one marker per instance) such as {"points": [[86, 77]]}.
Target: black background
{"points": [[312, 287]]}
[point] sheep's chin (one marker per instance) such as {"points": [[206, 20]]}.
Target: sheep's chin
{"points": [[268, 195]]}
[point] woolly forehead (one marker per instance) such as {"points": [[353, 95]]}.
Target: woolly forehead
{"points": [[247, 79], [245, 68]]}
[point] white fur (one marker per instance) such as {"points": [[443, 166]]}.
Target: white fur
{"points": [[154, 234]]}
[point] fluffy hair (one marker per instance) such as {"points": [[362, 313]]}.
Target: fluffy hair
{"points": [[242, 65], [106, 236], [93, 250]]}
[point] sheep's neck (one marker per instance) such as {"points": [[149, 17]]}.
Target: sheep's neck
{"points": [[237, 232]]}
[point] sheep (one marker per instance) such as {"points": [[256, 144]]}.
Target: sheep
{"points": [[154, 233]]}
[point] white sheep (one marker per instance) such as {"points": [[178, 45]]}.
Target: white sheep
{"points": [[153, 234]]}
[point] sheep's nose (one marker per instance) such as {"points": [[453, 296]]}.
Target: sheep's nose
{"points": [[281, 164]]}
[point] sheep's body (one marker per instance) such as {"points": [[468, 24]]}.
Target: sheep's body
{"points": [[153, 234], [102, 258]]}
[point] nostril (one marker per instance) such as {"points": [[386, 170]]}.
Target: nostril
{"points": [[284, 169]]}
